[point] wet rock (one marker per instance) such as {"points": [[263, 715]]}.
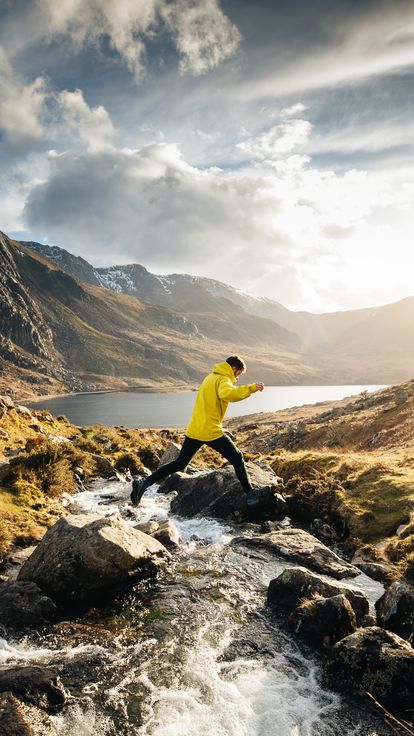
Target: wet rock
{"points": [[395, 610], [38, 685], [168, 535], [322, 622], [218, 493], [376, 661], [172, 482], [148, 527], [166, 532], [83, 558], [295, 584], [303, 548], [24, 604], [23, 719], [377, 571]]}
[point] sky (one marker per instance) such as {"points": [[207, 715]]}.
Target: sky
{"points": [[268, 145]]}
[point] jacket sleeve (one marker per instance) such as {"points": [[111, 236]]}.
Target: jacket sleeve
{"points": [[227, 392]]}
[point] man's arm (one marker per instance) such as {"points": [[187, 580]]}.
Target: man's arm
{"points": [[227, 392]]}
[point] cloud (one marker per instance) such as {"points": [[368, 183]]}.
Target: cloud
{"points": [[21, 104], [279, 141], [32, 112], [271, 227], [92, 125], [202, 33], [356, 45]]}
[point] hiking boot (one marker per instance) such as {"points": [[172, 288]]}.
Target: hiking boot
{"points": [[256, 495], [138, 490]]}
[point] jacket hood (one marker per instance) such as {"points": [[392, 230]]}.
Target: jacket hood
{"points": [[224, 369]]}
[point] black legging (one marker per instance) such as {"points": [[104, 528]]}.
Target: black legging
{"points": [[223, 445]]}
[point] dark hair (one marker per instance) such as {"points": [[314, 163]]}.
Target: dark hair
{"points": [[236, 362]]}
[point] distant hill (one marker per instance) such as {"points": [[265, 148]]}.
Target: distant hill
{"points": [[372, 345], [60, 333], [66, 325]]}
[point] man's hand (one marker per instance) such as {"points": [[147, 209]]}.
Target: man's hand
{"points": [[260, 386]]}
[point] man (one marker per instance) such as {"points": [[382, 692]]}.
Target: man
{"points": [[205, 428]]}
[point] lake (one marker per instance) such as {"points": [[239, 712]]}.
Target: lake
{"points": [[173, 409]]}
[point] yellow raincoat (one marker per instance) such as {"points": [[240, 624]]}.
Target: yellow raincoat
{"points": [[214, 395]]}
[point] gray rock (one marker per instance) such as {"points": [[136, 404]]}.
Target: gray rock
{"points": [[170, 453], [303, 548], [7, 401], [321, 622], [83, 558], [24, 411], [148, 527], [24, 604], [295, 584], [395, 610], [377, 571], [168, 535], [218, 493], [38, 685], [376, 661]]}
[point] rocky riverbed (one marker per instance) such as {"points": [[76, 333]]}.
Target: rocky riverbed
{"points": [[196, 647]]}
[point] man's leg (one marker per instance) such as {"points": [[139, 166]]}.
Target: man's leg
{"points": [[226, 447], [188, 450]]}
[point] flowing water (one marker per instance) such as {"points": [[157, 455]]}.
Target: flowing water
{"points": [[195, 652]]}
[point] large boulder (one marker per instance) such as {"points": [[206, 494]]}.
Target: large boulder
{"points": [[23, 604], [376, 661], [322, 622], [218, 493], [38, 685], [395, 610], [303, 548], [295, 585], [82, 558]]}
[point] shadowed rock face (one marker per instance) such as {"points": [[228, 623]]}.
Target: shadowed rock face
{"points": [[24, 604], [395, 610], [38, 685], [375, 661], [218, 494], [324, 621], [295, 584], [303, 548], [21, 321], [83, 558]]}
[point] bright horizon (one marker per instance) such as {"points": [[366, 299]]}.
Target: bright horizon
{"points": [[265, 146]]}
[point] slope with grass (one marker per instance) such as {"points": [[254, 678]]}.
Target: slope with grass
{"points": [[349, 463]]}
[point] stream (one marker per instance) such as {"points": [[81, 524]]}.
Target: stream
{"points": [[196, 651]]}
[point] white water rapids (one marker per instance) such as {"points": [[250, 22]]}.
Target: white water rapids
{"points": [[209, 660]]}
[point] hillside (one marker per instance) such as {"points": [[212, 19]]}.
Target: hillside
{"points": [[347, 467], [359, 346], [62, 334], [348, 463]]}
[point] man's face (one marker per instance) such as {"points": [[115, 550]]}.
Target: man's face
{"points": [[237, 372]]}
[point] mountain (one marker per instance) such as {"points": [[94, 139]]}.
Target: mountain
{"points": [[60, 333], [355, 346], [66, 325]]}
